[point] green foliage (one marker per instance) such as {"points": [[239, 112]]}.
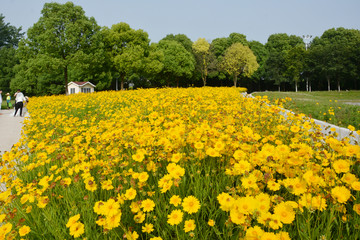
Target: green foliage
{"points": [[9, 39], [239, 60], [126, 49], [335, 56], [279, 46], [201, 49], [178, 62], [182, 39], [9, 35], [62, 42]]}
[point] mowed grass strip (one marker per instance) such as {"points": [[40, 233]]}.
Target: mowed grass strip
{"points": [[339, 108]]}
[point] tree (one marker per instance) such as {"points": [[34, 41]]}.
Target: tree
{"points": [[9, 39], [262, 54], [278, 46], [9, 35], [334, 56], [182, 39], [239, 60], [201, 49], [126, 49], [62, 41], [294, 62], [178, 62]]}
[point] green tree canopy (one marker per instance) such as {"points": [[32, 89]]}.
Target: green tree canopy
{"points": [[201, 49], [278, 46], [126, 48], [262, 54], [239, 60], [9, 39], [182, 39], [63, 41], [178, 62], [294, 62], [335, 56], [9, 35]]}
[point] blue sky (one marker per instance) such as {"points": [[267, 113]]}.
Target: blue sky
{"points": [[209, 19]]}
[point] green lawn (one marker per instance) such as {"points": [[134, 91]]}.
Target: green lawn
{"points": [[334, 107], [4, 106]]}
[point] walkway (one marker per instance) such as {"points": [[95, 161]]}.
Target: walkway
{"points": [[10, 132], [10, 129]]}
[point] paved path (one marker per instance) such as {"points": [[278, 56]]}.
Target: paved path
{"points": [[10, 132], [10, 129]]}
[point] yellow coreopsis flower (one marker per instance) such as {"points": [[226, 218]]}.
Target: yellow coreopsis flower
{"points": [[147, 205], [111, 207], [176, 157], [72, 220], [24, 230], [130, 194], [226, 201], [77, 229], [175, 217], [148, 228], [138, 157], [139, 217], [143, 177], [285, 211], [43, 201], [356, 208], [90, 184], [189, 225], [237, 217], [341, 166], [113, 221], [5, 229], [241, 167], [273, 186], [191, 204], [254, 232], [107, 185], [341, 194], [175, 200]]}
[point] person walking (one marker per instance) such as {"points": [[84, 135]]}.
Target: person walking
{"points": [[8, 99], [19, 102]]}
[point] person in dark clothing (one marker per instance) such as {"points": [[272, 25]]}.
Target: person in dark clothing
{"points": [[19, 102]]}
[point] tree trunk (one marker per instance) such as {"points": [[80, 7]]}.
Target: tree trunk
{"points": [[66, 80], [307, 84], [177, 82], [122, 82], [338, 85], [235, 80], [328, 82], [279, 87], [296, 86], [203, 78]]}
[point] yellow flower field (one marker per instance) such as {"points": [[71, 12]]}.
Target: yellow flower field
{"points": [[200, 163]]}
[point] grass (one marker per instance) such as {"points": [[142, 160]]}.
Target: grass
{"points": [[334, 107], [4, 106]]}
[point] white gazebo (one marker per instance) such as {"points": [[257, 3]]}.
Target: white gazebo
{"points": [[80, 87]]}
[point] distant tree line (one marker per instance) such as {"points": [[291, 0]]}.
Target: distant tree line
{"points": [[65, 45]]}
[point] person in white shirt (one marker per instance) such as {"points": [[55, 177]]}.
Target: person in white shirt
{"points": [[19, 102]]}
